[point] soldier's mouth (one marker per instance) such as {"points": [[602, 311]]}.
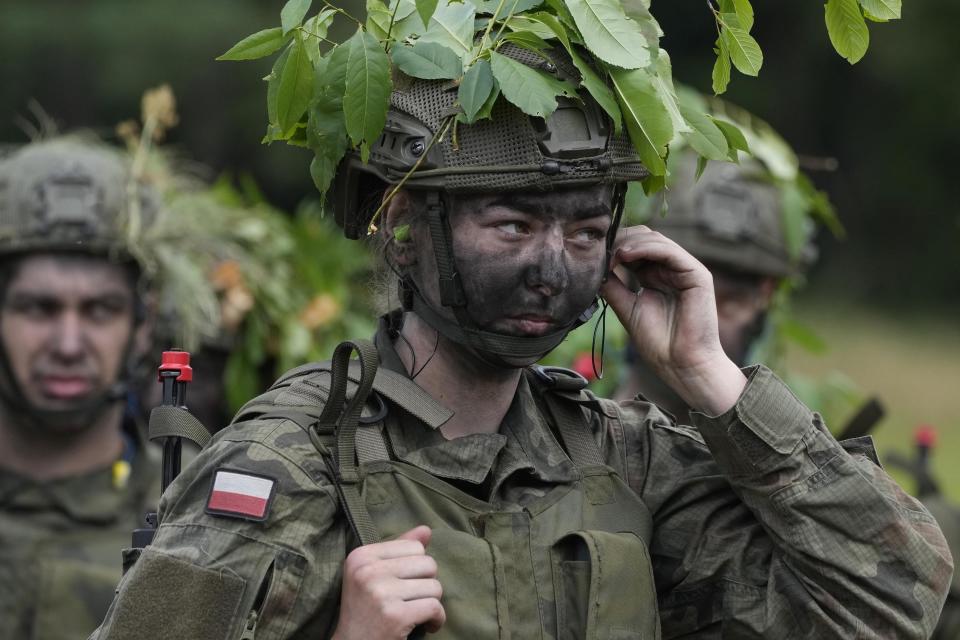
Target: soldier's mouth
{"points": [[530, 324], [65, 387]]}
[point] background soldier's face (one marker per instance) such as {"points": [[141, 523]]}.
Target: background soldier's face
{"points": [[742, 306], [66, 323]]}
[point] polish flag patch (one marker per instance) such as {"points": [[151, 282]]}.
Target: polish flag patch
{"points": [[240, 494]]}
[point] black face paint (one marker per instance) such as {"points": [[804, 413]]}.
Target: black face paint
{"points": [[531, 263]]}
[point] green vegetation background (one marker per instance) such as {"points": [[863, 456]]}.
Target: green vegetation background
{"points": [[885, 299]]}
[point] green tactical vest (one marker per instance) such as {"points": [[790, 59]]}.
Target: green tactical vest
{"points": [[571, 565]]}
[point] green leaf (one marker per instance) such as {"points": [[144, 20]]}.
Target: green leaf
{"points": [[257, 45], [425, 9], [882, 9], [653, 184], [402, 233], [648, 121], [721, 68], [291, 16], [563, 13], [527, 23], [509, 6], [736, 141], [367, 92], [296, 86], [428, 60], [744, 50], [314, 31], [474, 90], [452, 26], [326, 128], [406, 22], [588, 77], [531, 91], [704, 136], [527, 40], [609, 33], [742, 8], [847, 29], [639, 12], [486, 111], [663, 82], [273, 87], [701, 167]]}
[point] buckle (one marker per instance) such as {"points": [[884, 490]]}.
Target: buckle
{"points": [[560, 379]]}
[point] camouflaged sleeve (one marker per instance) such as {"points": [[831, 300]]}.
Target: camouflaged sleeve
{"points": [[766, 527], [218, 568]]}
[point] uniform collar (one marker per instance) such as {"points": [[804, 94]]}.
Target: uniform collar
{"points": [[93, 497], [524, 443]]}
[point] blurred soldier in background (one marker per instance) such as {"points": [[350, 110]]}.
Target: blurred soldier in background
{"points": [[75, 474], [732, 220]]}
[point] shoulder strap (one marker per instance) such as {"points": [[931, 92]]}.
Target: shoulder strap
{"points": [[554, 384], [343, 417]]}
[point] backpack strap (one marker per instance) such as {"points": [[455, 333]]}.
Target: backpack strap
{"points": [[168, 421], [343, 417]]}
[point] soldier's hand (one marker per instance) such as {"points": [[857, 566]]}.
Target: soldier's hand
{"points": [[389, 588], [672, 319]]}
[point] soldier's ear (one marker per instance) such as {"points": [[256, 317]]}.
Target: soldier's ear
{"points": [[398, 225]]}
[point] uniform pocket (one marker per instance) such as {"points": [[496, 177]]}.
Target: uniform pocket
{"points": [[605, 588], [474, 598], [142, 608]]}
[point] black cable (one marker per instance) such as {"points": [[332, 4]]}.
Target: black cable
{"points": [[602, 327]]}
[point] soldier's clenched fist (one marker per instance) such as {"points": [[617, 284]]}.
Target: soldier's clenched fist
{"points": [[389, 588]]}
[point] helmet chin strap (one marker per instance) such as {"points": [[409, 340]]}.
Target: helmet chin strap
{"points": [[497, 349]]}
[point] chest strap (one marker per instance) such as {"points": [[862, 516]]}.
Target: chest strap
{"points": [[567, 415]]}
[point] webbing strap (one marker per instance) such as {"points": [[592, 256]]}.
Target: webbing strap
{"points": [[371, 445], [345, 417], [168, 421], [574, 431], [390, 384]]}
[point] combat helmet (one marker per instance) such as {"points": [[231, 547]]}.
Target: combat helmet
{"points": [[68, 195], [574, 146], [732, 217]]}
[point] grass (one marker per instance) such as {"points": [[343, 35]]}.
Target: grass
{"points": [[911, 363]]}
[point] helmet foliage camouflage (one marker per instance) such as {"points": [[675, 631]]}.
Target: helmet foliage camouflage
{"points": [[574, 146]]}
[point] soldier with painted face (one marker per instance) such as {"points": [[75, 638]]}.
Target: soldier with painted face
{"points": [[443, 483], [732, 220], [75, 476]]}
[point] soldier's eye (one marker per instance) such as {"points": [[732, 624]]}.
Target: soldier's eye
{"points": [[513, 228], [35, 309]]}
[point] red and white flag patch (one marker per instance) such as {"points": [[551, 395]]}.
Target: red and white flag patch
{"points": [[240, 494]]}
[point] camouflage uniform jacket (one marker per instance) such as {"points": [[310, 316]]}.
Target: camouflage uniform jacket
{"points": [[948, 517], [60, 545], [763, 525]]}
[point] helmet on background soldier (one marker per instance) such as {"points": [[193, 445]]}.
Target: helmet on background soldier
{"points": [[732, 217]]}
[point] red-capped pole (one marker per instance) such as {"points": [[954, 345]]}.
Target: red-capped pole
{"points": [[176, 361], [926, 436]]}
